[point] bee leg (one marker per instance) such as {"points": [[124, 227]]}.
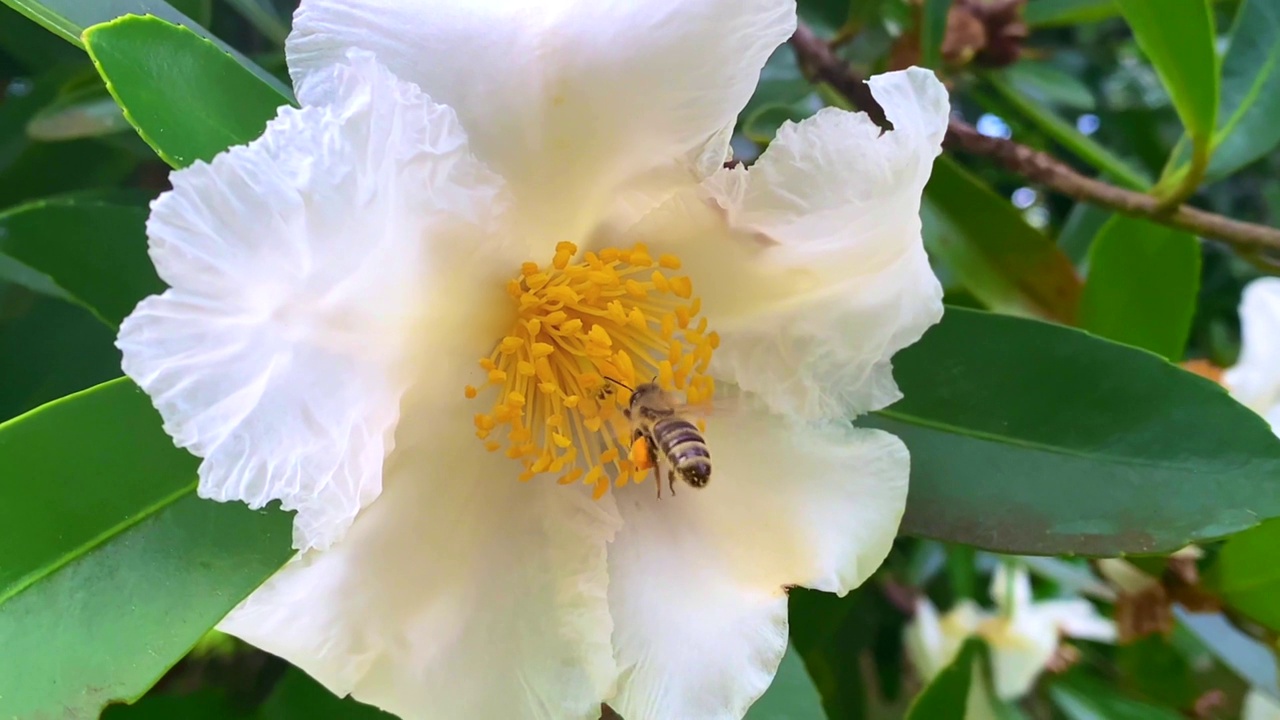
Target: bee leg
{"points": [[671, 481]]}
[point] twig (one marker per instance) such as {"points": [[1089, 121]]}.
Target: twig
{"points": [[822, 64]]}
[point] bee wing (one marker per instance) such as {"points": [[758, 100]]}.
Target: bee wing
{"points": [[719, 406]]}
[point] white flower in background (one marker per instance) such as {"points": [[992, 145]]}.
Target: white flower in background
{"points": [[394, 312], [1260, 706], [1255, 379], [1023, 635]]}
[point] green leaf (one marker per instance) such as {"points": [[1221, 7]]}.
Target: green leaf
{"points": [[1007, 264], [70, 18], [1142, 286], [1036, 439], [1083, 698], [792, 696], [1065, 134], [1048, 84], [1178, 36], [51, 349], [1080, 228], [1247, 129], [264, 17], [110, 567], [204, 704], [933, 28], [95, 251], [1253, 661], [188, 99], [299, 697], [1247, 575], [1054, 13], [947, 695], [82, 113]]}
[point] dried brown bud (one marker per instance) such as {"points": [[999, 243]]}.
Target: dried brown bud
{"points": [[987, 32]]}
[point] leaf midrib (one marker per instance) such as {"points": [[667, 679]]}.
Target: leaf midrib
{"points": [[30, 579]]}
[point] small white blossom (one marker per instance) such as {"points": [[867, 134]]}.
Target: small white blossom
{"points": [[409, 309], [1023, 635], [1255, 379]]}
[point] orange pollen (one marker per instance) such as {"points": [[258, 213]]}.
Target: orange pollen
{"points": [[585, 331]]}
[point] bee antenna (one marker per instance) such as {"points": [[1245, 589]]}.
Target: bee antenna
{"points": [[619, 382]]}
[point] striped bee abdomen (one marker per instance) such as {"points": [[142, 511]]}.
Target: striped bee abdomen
{"points": [[685, 449]]}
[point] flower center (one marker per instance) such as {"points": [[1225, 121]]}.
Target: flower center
{"points": [[585, 332]]}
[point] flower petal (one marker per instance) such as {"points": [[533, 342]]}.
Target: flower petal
{"points": [[459, 593], [698, 581], [567, 99], [1077, 618], [821, 274], [1255, 379], [298, 266]]}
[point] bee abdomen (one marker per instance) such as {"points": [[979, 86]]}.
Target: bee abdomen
{"points": [[680, 441]]}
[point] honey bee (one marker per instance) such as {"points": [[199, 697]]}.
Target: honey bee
{"points": [[657, 419]]}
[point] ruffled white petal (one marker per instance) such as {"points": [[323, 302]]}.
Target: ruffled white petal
{"points": [[567, 99], [1255, 379], [459, 593], [814, 272], [298, 266], [698, 581]]}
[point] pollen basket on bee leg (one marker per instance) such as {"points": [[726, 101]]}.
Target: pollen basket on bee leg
{"points": [[583, 326]]}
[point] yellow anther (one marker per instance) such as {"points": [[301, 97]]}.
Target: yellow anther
{"points": [[713, 340], [579, 320], [660, 282]]}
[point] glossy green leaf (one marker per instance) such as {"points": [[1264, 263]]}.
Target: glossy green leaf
{"points": [[110, 567], [1247, 127], [95, 251], [933, 28], [1007, 264], [946, 696], [48, 349], [300, 697], [1142, 286], [70, 18], [1037, 439], [1178, 37], [1054, 13], [1065, 134], [188, 99], [1080, 697], [1247, 575]]}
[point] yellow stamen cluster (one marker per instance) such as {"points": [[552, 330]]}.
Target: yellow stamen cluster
{"points": [[583, 329]]}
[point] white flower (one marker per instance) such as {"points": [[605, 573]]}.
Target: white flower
{"points": [[482, 209], [1255, 379], [1260, 706], [1023, 635]]}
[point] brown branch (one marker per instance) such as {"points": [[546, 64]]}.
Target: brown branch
{"points": [[822, 64]]}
